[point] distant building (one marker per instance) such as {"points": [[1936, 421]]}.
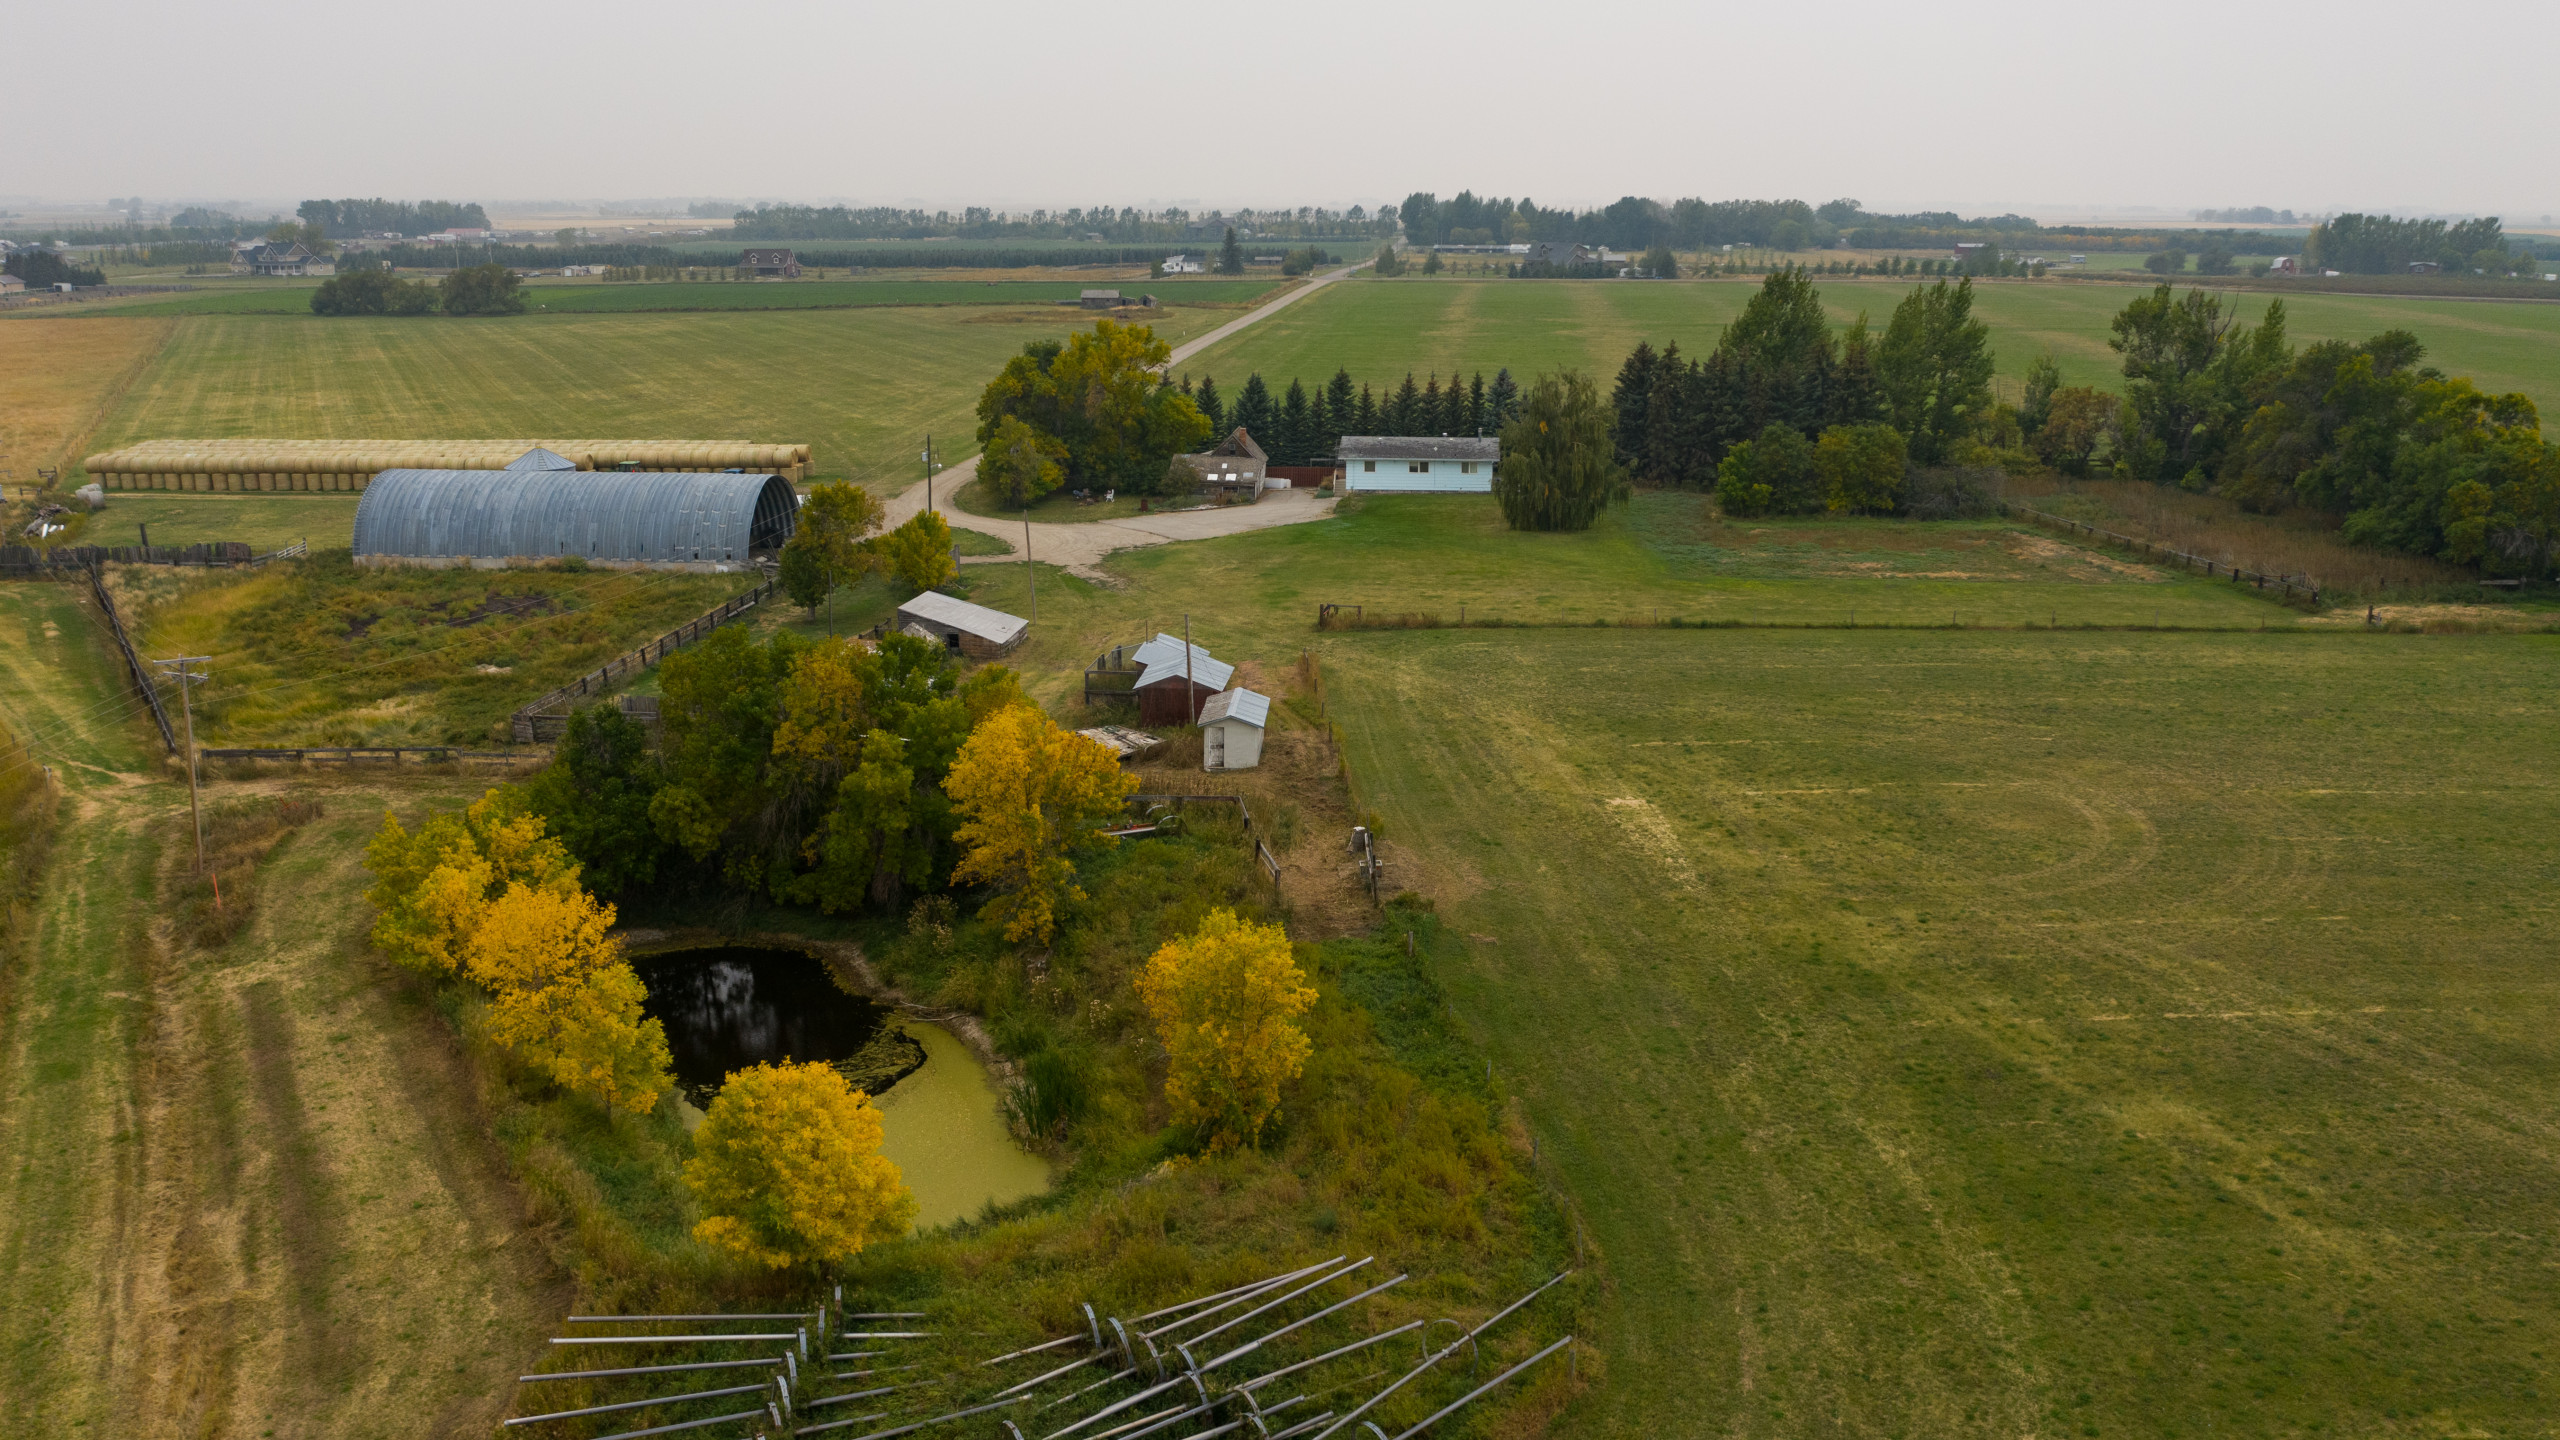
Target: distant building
{"points": [[260, 257], [1100, 300], [1235, 466], [1447, 464], [1184, 265], [1561, 253], [779, 263], [2285, 265], [1967, 249], [971, 630], [2425, 267], [11, 284]]}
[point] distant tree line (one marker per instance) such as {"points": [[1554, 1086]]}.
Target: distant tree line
{"points": [[2380, 245], [374, 290], [2246, 215], [1305, 426], [344, 219], [1116, 225], [44, 269]]}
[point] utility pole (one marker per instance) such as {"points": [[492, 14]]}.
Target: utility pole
{"points": [[1029, 575], [188, 677], [1189, 686], [930, 465]]}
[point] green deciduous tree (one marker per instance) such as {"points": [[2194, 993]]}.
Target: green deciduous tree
{"points": [[595, 794], [2190, 371], [1021, 464], [1559, 459], [1102, 395], [1773, 474], [1860, 468], [483, 290], [918, 554], [1934, 368]]}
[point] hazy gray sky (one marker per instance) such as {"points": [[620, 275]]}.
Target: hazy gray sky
{"points": [[2051, 106]]}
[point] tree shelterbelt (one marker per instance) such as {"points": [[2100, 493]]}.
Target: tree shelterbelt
{"points": [[1102, 397], [1305, 426]]}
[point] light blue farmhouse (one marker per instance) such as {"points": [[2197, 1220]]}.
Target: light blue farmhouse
{"points": [[1447, 464]]}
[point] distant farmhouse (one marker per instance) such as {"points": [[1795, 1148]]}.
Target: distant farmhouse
{"points": [[778, 263], [1235, 467], [263, 257], [1561, 253], [1451, 464], [1112, 300], [1184, 265]]}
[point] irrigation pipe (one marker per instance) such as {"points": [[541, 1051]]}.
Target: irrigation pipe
{"points": [[1463, 1400], [1415, 1373], [635, 1404]]}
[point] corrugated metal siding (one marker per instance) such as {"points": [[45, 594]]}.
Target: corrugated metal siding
{"points": [[602, 515]]}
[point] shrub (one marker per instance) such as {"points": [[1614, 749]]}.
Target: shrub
{"points": [[483, 290], [787, 1167], [1226, 1002]]}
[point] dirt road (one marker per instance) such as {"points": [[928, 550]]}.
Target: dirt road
{"points": [[1079, 548]]}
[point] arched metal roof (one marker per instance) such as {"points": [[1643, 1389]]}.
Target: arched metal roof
{"points": [[663, 517]]}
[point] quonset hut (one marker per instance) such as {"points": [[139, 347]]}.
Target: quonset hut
{"points": [[543, 507]]}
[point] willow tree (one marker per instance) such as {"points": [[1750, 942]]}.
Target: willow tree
{"points": [[1559, 459]]}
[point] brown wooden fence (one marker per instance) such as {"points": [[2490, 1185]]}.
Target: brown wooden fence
{"points": [[1262, 856], [548, 717], [369, 754], [142, 679], [2293, 586], [28, 561]]}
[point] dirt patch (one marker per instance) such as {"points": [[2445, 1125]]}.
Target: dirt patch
{"points": [[2044, 550], [1303, 814], [2438, 619]]}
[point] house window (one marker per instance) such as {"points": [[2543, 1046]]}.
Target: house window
{"points": [[1418, 467], [1368, 467], [1467, 467]]}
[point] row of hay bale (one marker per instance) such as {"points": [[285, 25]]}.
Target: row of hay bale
{"points": [[232, 466]]}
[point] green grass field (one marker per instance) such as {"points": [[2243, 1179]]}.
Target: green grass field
{"points": [[1381, 328], [262, 522], [1958, 1032], [597, 297], [862, 386]]}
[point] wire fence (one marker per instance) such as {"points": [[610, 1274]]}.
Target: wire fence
{"points": [[547, 718], [2292, 586]]}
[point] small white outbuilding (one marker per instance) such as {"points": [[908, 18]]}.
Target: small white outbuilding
{"points": [[1231, 726]]}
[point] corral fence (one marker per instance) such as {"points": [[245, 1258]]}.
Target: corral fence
{"points": [[142, 679], [31, 562], [371, 754], [1153, 808], [2292, 586], [1330, 616], [547, 718], [1113, 675]]}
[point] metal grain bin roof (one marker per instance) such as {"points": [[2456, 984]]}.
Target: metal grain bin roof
{"points": [[662, 517]]}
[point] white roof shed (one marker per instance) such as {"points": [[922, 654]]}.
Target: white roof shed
{"points": [[1231, 729]]}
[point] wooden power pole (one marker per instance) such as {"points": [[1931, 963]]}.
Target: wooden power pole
{"points": [[188, 677]]}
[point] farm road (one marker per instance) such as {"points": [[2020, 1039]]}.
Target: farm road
{"points": [[243, 1191], [1079, 548]]}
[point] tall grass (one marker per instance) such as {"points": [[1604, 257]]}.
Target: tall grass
{"points": [[2299, 542], [239, 836]]}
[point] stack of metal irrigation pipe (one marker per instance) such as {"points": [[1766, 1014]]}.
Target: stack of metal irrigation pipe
{"points": [[775, 1392]]}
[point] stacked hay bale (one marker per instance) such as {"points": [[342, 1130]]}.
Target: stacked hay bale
{"points": [[245, 465]]}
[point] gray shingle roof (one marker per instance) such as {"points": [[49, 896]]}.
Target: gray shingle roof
{"points": [[1419, 447]]}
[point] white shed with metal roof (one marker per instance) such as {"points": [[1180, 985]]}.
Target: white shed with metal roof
{"points": [[1231, 728], [973, 630]]}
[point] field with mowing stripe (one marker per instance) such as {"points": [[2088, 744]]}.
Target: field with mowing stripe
{"points": [[1954, 1033], [862, 386], [1381, 328], [597, 297], [61, 374]]}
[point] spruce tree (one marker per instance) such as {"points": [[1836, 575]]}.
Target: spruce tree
{"points": [[1254, 413], [1427, 416], [1339, 410], [1397, 412], [1231, 255], [1475, 406], [1364, 416], [1296, 428], [1211, 406], [1634, 392], [1502, 401]]}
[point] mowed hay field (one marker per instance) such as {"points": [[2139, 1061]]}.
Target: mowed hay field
{"points": [[596, 296], [243, 1191], [862, 386], [1381, 328], [61, 376], [2013, 1035]]}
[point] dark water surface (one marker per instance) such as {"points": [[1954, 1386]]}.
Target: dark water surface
{"points": [[735, 1006]]}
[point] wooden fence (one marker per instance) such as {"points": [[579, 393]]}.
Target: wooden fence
{"points": [[1112, 675], [27, 561], [2292, 586], [548, 717], [142, 679], [1269, 863], [369, 754]]}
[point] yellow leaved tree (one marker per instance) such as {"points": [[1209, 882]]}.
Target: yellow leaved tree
{"points": [[562, 997], [787, 1168], [1226, 1001], [1028, 792], [431, 889]]}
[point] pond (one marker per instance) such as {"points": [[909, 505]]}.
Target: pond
{"points": [[729, 1007]]}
